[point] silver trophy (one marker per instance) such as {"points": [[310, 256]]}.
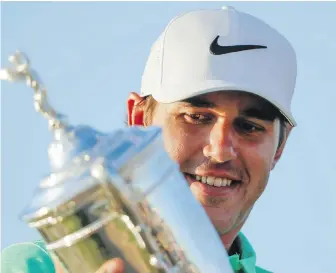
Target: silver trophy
{"points": [[116, 194]]}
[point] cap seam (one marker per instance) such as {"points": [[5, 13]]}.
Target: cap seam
{"points": [[164, 40], [164, 37], [239, 25]]}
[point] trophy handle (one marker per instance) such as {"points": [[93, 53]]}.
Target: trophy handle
{"points": [[68, 141], [21, 71]]}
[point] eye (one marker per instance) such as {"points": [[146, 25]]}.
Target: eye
{"points": [[248, 127], [197, 118]]}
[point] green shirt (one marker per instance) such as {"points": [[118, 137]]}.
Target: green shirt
{"points": [[247, 262], [34, 258]]}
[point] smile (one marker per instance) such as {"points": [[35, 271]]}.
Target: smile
{"points": [[214, 181]]}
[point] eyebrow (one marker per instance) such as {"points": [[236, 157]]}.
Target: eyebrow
{"points": [[263, 112], [199, 102]]}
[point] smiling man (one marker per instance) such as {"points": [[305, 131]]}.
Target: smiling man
{"points": [[220, 83]]}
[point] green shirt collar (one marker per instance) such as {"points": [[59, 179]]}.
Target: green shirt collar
{"points": [[247, 262]]}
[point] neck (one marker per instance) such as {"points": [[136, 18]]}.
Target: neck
{"points": [[228, 238], [230, 241]]}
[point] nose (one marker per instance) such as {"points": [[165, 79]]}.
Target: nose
{"points": [[220, 148]]}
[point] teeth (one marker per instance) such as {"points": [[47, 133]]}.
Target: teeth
{"points": [[214, 181], [218, 182], [210, 180]]}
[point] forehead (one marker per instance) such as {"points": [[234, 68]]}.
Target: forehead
{"points": [[233, 102], [238, 99], [232, 95]]}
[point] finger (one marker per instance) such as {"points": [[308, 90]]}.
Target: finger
{"points": [[57, 265], [115, 265]]}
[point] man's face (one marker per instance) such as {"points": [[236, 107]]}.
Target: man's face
{"points": [[222, 138]]}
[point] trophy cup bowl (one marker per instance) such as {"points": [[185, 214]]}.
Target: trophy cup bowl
{"points": [[116, 194]]}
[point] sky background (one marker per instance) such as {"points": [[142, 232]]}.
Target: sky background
{"points": [[91, 55]]}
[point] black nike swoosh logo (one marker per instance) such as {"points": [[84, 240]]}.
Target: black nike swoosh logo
{"points": [[216, 49]]}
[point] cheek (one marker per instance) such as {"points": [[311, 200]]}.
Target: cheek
{"points": [[177, 143], [258, 157], [258, 161], [181, 144]]}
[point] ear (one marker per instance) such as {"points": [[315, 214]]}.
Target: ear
{"points": [[134, 114], [280, 149]]}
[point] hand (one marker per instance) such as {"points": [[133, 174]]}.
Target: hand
{"points": [[115, 265]]}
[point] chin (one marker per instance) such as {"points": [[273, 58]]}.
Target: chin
{"points": [[222, 219]]}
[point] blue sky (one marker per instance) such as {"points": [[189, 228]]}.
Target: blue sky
{"points": [[90, 55]]}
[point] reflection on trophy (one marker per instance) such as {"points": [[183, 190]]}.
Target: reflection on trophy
{"points": [[116, 194]]}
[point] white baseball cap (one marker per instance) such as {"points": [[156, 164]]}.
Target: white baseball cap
{"points": [[221, 50]]}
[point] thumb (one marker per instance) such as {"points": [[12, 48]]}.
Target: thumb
{"points": [[115, 265]]}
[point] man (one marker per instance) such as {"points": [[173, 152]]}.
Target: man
{"points": [[220, 83]]}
